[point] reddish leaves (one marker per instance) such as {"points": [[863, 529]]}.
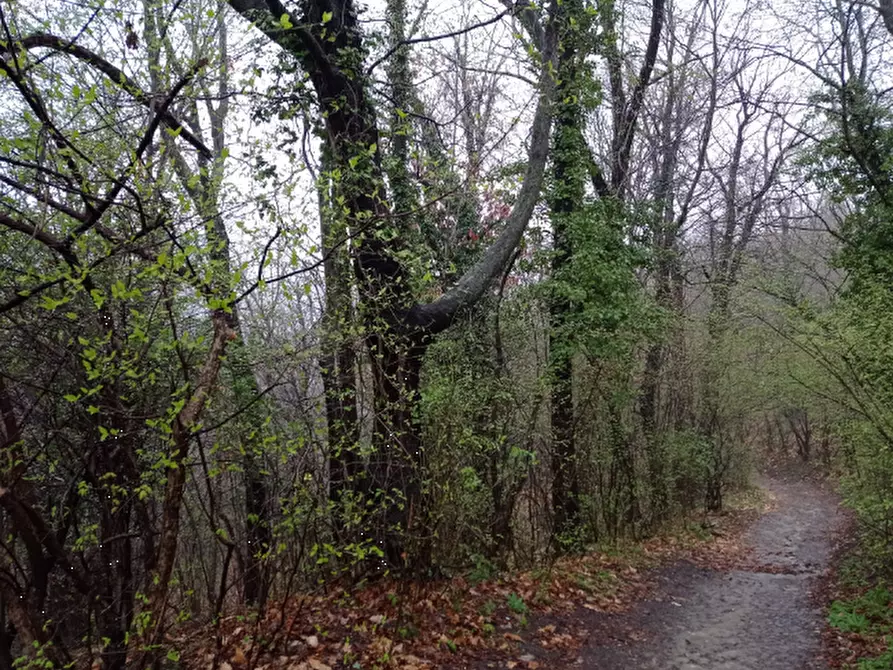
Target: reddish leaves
{"points": [[516, 621]]}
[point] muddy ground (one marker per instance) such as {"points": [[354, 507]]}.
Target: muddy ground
{"points": [[757, 617]]}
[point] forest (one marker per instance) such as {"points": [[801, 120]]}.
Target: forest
{"points": [[308, 295]]}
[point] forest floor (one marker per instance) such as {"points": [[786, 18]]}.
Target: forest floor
{"points": [[737, 591]]}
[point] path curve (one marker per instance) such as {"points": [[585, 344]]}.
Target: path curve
{"points": [[753, 619]]}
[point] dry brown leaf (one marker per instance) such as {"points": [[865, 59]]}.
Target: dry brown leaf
{"points": [[239, 657], [410, 660]]}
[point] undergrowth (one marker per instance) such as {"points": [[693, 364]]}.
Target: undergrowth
{"points": [[862, 613]]}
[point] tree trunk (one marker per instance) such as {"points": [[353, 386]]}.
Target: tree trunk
{"points": [[397, 466], [258, 533], [115, 592], [182, 427], [205, 194], [328, 42], [338, 361], [565, 205]]}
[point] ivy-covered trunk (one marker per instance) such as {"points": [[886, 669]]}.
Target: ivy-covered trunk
{"points": [[568, 152]]}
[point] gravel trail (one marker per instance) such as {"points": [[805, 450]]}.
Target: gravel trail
{"points": [[753, 619]]}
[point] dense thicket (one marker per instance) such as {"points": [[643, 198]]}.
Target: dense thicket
{"points": [[310, 292]]}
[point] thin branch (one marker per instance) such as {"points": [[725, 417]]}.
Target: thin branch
{"points": [[117, 76], [435, 38]]}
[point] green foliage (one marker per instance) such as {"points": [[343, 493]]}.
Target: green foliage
{"points": [[882, 662], [573, 540], [107, 351], [483, 570], [870, 611], [689, 462], [608, 312], [850, 343], [516, 604], [488, 608], [475, 414], [870, 616]]}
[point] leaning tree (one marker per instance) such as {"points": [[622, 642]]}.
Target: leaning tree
{"points": [[326, 40]]}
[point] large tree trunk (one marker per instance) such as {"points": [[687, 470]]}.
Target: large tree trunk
{"points": [[565, 204], [570, 169], [397, 466], [328, 43]]}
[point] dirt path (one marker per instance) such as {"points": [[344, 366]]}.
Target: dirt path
{"points": [[759, 618]]}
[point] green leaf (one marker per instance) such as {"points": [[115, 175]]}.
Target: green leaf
{"points": [[326, 17], [285, 22], [98, 297]]}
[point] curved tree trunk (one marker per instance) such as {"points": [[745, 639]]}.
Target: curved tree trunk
{"points": [[329, 45]]}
